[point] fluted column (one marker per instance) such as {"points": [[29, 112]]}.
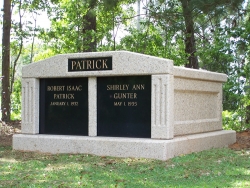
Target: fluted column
{"points": [[30, 108], [162, 112]]}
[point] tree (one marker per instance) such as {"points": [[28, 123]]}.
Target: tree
{"points": [[89, 27], [182, 16], [208, 34], [80, 26], [5, 106], [190, 44], [17, 46], [73, 26], [14, 34]]}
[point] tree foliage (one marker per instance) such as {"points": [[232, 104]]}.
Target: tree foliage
{"points": [[79, 26], [208, 34]]}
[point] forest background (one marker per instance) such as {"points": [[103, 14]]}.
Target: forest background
{"points": [[200, 34]]}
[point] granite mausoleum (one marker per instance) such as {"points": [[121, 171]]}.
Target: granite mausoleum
{"points": [[120, 104]]}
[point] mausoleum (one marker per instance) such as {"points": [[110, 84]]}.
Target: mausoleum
{"points": [[121, 104]]}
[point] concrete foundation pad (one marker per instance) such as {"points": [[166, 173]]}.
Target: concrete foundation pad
{"points": [[124, 147]]}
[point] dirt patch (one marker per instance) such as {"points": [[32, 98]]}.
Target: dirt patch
{"points": [[14, 127], [7, 130], [242, 141]]}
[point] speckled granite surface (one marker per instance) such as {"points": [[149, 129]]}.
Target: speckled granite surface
{"points": [[124, 147], [124, 63]]}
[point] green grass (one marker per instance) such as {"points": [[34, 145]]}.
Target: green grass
{"points": [[213, 168]]}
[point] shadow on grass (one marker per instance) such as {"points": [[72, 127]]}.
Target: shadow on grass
{"points": [[212, 168]]}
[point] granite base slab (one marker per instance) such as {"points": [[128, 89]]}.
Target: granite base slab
{"points": [[124, 147]]}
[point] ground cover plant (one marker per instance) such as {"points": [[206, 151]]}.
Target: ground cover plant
{"points": [[212, 168]]}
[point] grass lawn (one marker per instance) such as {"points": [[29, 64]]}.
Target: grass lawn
{"points": [[213, 168]]}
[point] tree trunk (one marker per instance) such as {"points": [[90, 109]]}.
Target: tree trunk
{"points": [[190, 46], [13, 68], [89, 25], [248, 114], [33, 40], [5, 106]]}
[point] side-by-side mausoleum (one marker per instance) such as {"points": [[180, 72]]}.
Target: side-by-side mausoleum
{"points": [[120, 104]]}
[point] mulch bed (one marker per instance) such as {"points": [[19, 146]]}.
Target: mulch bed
{"points": [[242, 141]]}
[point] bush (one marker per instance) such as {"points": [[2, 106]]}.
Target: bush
{"points": [[234, 120], [16, 101]]}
